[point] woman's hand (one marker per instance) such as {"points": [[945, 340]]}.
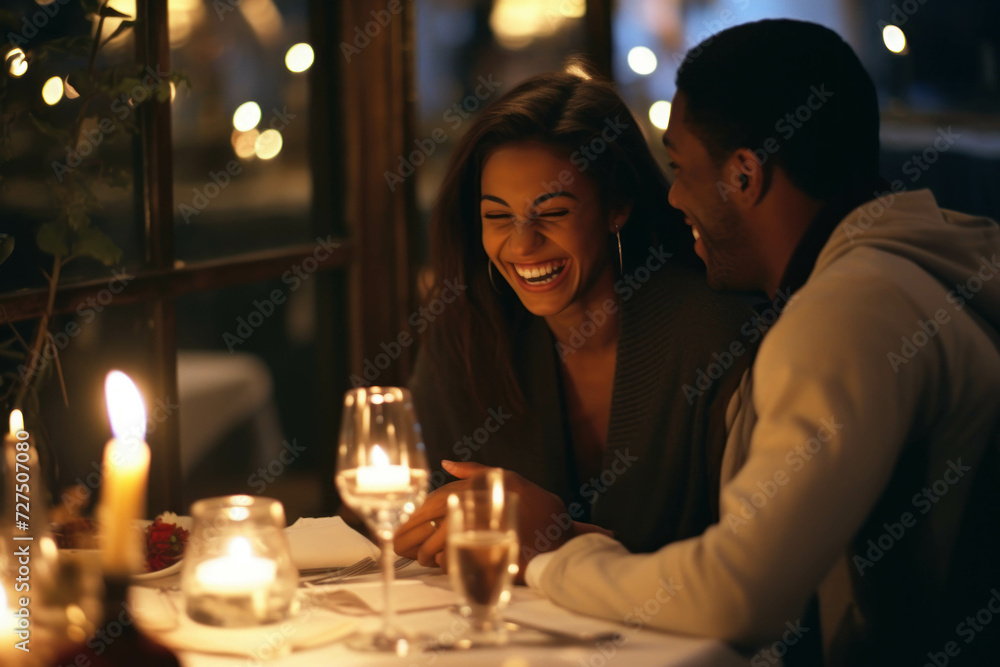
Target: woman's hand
{"points": [[543, 521]]}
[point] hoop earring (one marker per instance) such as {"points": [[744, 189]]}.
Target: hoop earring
{"points": [[621, 265], [489, 270]]}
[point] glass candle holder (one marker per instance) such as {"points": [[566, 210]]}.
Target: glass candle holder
{"points": [[238, 571]]}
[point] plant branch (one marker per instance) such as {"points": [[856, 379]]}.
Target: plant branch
{"points": [[41, 334]]}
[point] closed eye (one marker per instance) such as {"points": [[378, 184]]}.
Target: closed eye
{"points": [[497, 216], [558, 213]]}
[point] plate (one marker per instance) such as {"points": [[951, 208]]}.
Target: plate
{"points": [[184, 522]]}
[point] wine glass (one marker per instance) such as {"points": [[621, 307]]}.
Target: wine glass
{"points": [[482, 555], [382, 475]]}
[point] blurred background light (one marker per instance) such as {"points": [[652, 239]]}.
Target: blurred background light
{"points": [[52, 91], [894, 39], [16, 64], [246, 116], [299, 58], [659, 114], [642, 60], [268, 144], [244, 143]]}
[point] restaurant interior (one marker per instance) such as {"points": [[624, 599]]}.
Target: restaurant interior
{"points": [[229, 202]]}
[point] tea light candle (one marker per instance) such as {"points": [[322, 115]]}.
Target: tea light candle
{"points": [[126, 470], [238, 573], [380, 477]]}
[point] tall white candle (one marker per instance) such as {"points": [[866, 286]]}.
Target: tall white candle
{"points": [[126, 471], [381, 477]]}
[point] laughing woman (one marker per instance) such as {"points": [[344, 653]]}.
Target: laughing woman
{"points": [[586, 353]]}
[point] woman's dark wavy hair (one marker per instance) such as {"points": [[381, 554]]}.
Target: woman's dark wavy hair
{"points": [[567, 110]]}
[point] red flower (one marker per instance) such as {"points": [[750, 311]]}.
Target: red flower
{"points": [[165, 544]]}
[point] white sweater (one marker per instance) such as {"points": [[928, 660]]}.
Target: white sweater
{"points": [[879, 348]]}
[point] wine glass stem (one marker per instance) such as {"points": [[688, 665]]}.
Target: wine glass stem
{"points": [[388, 575]]}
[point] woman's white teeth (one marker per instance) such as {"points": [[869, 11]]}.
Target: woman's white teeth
{"points": [[542, 273], [696, 234]]}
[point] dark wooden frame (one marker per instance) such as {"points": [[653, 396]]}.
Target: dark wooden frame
{"points": [[364, 112]]}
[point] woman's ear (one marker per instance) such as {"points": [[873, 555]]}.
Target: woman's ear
{"points": [[619, 217]]}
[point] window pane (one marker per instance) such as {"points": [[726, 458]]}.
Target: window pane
{"points": [[468, 53], [240, 132], [248, 381], [66, 142]]}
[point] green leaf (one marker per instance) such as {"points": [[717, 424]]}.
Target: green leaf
{"points": [[122, 27], [78, 218], [53, 237], [6, 247], [92, 242], [113, 13]]}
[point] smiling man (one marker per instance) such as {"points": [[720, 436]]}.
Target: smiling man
{"points": [[857, 514]]}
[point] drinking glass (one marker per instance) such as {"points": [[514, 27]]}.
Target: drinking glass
{"points": [[238, 570], [482, 554], [382, 475]]}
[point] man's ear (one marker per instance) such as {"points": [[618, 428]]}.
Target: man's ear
{"points": [[749, 175], [619, 217]]}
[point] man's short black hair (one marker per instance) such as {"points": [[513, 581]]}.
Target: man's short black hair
{"points": [[793, 91]]}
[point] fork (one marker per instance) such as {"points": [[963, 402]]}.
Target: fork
{"points": [[363, 566]]}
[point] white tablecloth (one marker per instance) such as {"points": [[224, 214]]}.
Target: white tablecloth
{"points": [[637, 647]]}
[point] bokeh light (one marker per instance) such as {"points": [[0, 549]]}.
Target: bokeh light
{"points": [[299, 58], [16, 64], [659, 114], [52, 91], [642, 60], [894, 39], [268, 144], [247, 116], [244, 143]]}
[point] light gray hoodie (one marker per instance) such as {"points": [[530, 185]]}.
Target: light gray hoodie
{"points": [[851, 451]]}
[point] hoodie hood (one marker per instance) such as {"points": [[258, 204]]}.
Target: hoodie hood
{"points": [[961, 251]]}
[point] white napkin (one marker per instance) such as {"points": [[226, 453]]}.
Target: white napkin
{"points": [[360, 599], [327, 542]]}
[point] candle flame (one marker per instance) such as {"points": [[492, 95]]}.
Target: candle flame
{"points": [[379, 458], [240, 548], [16, 422], [125, 407]]}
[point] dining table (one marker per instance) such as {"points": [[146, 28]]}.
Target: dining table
{"points": [[427, 608]]}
